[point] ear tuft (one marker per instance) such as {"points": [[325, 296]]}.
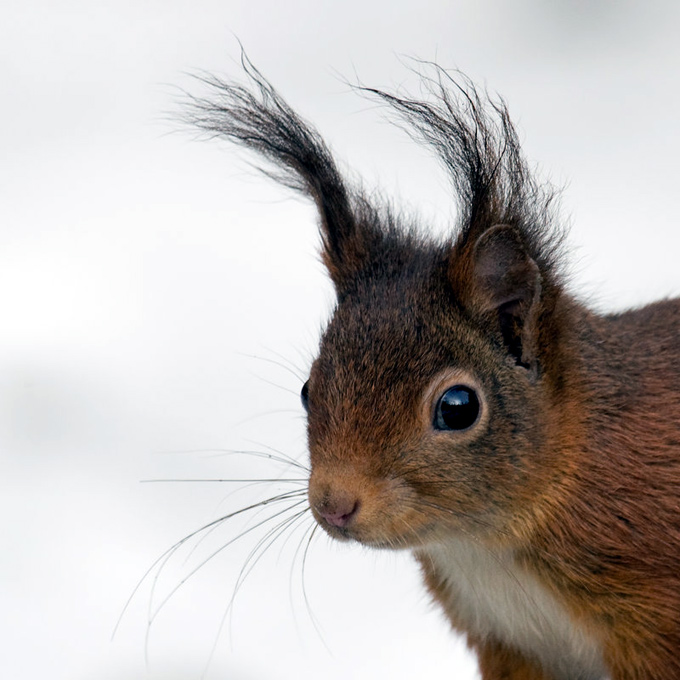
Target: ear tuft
{"points": [[257, 117]]}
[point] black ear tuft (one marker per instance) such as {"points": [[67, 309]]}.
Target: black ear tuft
{"points": [[260, 119], [478, 145]]}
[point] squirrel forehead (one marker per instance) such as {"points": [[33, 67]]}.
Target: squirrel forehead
{"points": [[384, 336]]}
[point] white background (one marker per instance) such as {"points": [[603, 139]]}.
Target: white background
{"points": [[152, 285]]}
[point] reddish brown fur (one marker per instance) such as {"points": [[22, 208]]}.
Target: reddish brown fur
{"points": [[573, 468], [604, 534]]}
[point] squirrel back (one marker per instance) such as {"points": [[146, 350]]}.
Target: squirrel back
{"points": [[463, 405]]}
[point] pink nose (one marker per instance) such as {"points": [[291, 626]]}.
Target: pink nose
{"points": [[339, 512]]}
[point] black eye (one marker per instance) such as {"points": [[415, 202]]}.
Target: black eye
{"points": [[304, 396], [457, 409]]}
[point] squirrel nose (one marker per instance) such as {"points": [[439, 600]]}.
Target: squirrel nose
{"points": [[338, 512]]}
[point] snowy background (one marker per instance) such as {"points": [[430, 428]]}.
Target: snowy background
{"points": [[155, 292]]}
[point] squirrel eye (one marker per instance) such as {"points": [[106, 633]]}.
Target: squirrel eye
{"points": [[304, 396], [457, 409]]}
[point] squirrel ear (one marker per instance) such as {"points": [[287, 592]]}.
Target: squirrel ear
{"points": [[506, 281]]}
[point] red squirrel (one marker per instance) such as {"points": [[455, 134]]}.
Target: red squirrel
{"points": [[463, 405]]}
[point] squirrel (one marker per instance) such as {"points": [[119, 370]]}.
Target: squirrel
{"points": [[465, 406]]}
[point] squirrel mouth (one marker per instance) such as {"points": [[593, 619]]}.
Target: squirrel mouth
{"points": [[339, 533], [376, 539]]}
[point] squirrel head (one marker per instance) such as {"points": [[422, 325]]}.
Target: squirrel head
{"points": [[431, 401]]}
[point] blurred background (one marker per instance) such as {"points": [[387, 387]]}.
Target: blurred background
{"points": [[160, 303]]}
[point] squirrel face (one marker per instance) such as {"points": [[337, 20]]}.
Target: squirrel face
{"points": [[421, 425]]}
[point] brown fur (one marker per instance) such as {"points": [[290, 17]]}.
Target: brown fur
{"points": [[573, 468]]}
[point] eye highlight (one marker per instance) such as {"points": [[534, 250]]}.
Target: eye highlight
{"points": [[304, 396], [457, 409]]}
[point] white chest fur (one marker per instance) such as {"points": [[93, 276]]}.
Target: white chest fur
{"points": [[495, 597]]}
